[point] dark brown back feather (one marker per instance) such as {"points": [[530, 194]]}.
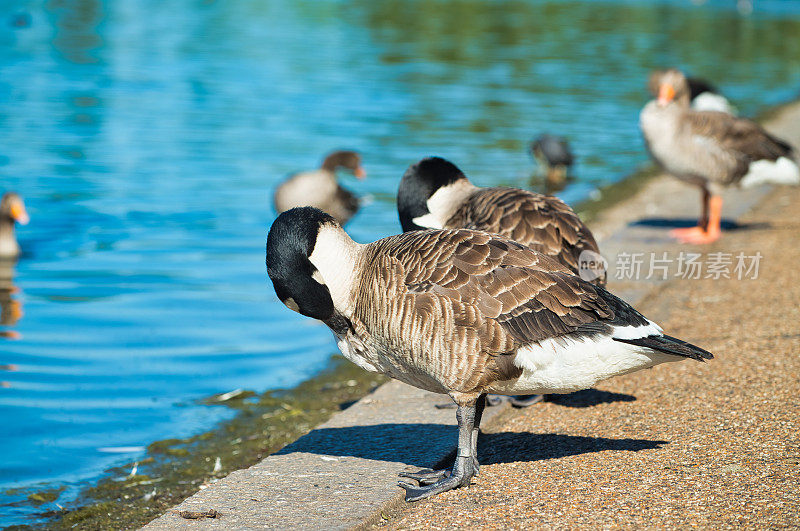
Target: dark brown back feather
{"points": [[543, 223], [745, 138]]}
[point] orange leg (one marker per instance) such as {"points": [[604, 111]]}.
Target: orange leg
{"points": [[711, 232]]}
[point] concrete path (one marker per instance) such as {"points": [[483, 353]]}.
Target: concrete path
{"points": [[337, 476], [343, 474]]}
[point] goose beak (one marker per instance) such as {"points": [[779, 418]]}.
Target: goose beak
{"points": [[19, 214], [666, 93], [360, 173]]}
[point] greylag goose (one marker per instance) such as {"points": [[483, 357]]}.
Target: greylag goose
{"points": [[435, 194], [12, 210], [320, 188], [555, 157], [463, 313], [711, 150]]}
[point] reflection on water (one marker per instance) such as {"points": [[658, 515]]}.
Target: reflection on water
{"points": [[12, 211], [147, 138], [550, 183], [10, 304]]}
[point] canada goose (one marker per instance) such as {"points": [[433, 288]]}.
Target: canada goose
{"points": [[460, 312], [12, 210], [435, 194], [705, 97], [319, 188], [711, 150], [555, 158]]}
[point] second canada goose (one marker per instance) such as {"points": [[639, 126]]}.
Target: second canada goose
{"points": [[12, 210], [463, 313], [705, 97], [711, 150], [555, 158], [320, 188], [435, 194]]}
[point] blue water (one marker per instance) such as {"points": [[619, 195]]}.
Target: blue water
{"points": [[146, 138]]}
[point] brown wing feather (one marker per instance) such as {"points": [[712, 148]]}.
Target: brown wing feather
{"points": [[531, 296], [543, 223], [744, 139]]}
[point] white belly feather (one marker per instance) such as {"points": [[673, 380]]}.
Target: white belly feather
{"points": [[781, 171], [569, 364]]}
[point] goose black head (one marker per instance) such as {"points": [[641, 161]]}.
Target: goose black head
{"points": [[290, 242], [419, 183], [553, 150], [698, 85]]}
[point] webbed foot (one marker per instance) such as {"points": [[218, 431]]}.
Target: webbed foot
{"points": [[525, 401], [695, 235], [496, 400], [463, 472], [516, 400], [425, 476]]}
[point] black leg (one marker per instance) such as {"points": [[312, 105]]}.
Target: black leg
{"points": [[463, 468], [428, 476]]}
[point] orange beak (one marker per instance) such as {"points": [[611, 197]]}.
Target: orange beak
{"points": [[666, 93], [19, 214], [360, 173], [15, 311]]}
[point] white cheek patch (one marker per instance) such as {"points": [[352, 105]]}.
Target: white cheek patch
{"points": [[289, 302], [444, 202], [428, 221], [334, 258]]}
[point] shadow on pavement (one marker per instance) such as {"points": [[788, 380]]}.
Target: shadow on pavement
{"points": [[589, 398], [512, 447], [679, 223], [412, 444], [423, 445]]}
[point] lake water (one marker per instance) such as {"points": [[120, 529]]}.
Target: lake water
{"points": [[146, 138]]}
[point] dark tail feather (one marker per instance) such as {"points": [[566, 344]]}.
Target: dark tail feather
{"points": [[670, 345]]}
